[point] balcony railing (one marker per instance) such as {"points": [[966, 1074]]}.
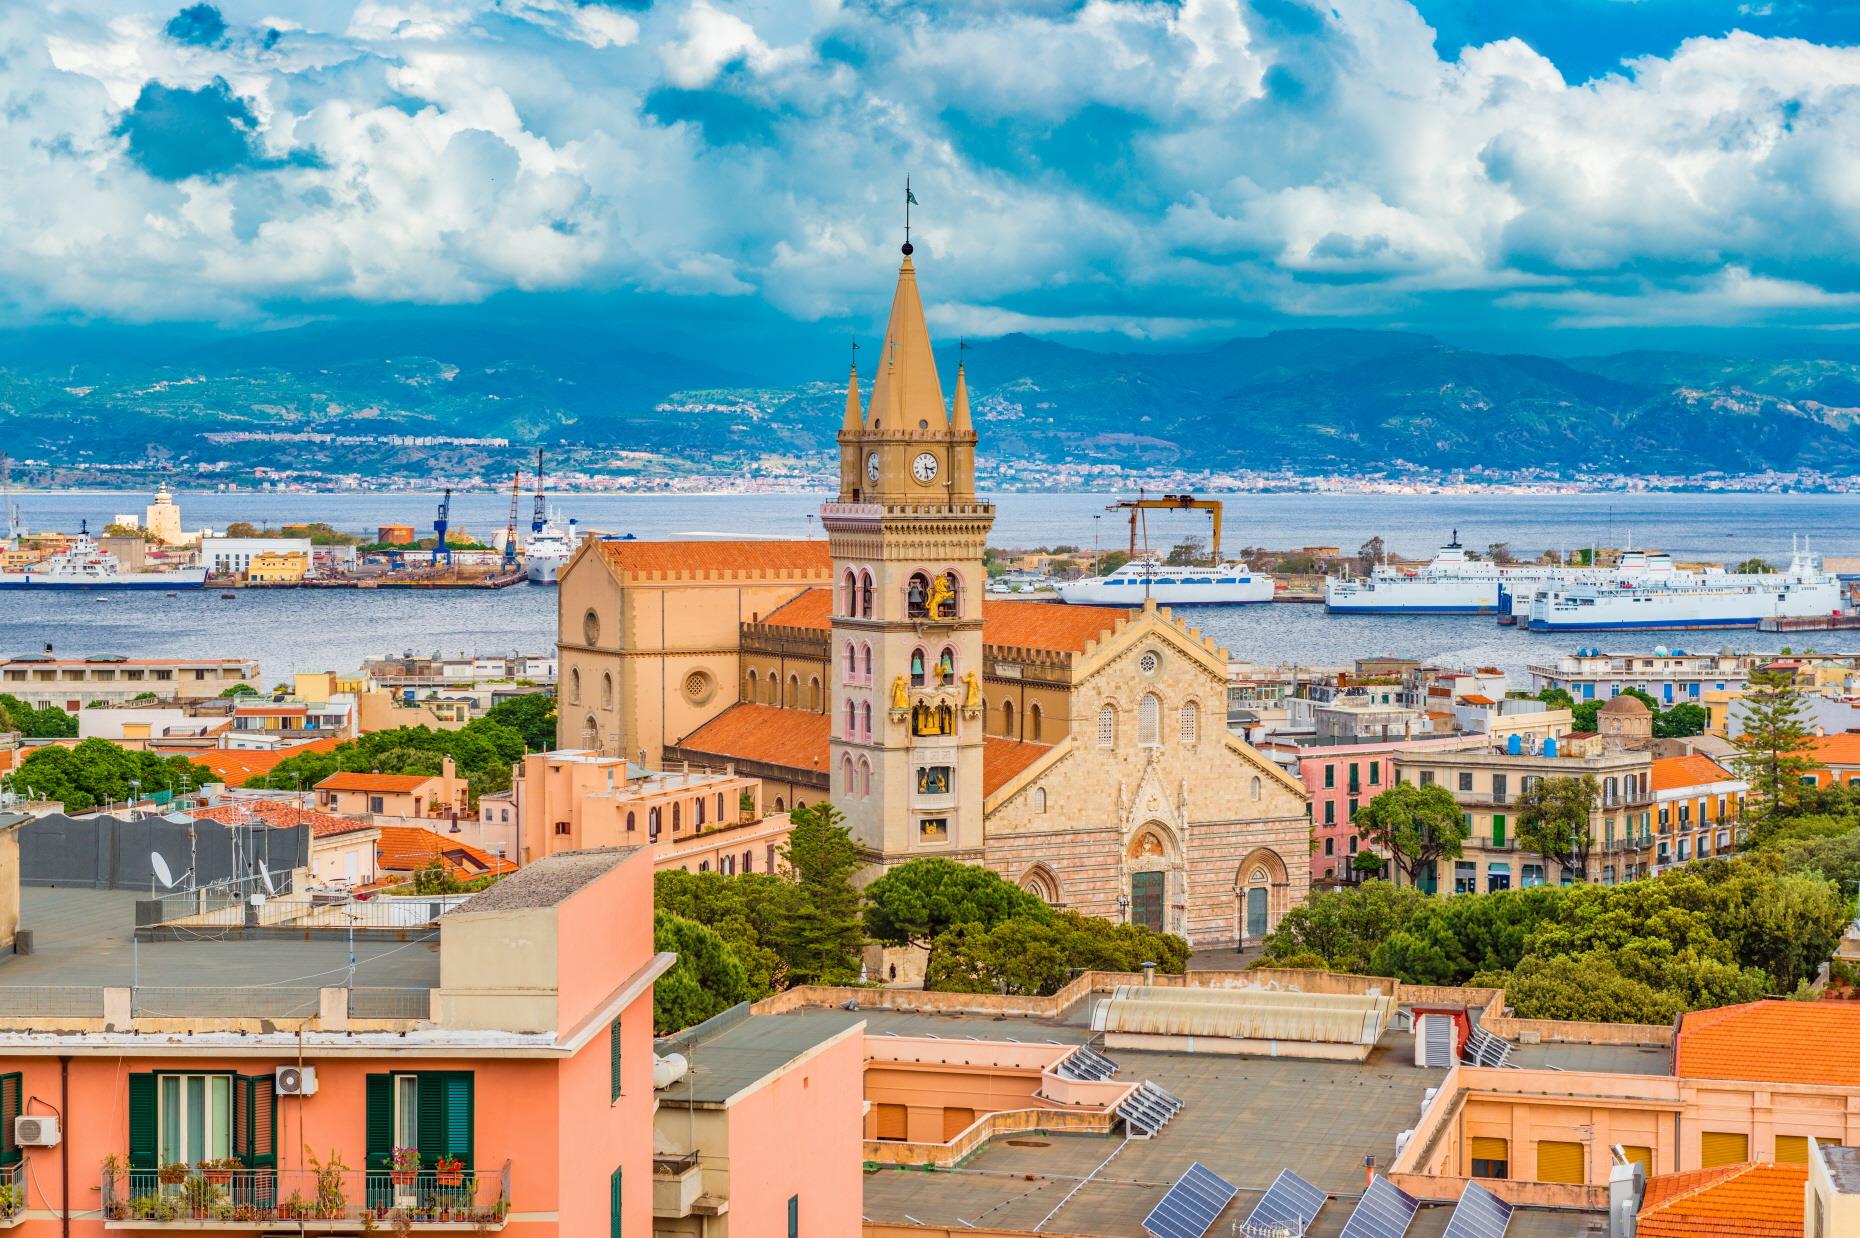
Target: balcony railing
{"points": [[12, 1194], [304, 1199], [674, 1166]]}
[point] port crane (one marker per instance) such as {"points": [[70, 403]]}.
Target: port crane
{"points": [[510, 530], [1173, 503], [439, 528], [539, 516]]}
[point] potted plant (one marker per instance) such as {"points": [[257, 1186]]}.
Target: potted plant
{"points": [[219, 1172], [174, 1173], [449, 1171], [331, 1199], [403, 1166], [294, 1209]]}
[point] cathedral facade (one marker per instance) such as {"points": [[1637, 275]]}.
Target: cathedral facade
{"points": [[1081, 752]]}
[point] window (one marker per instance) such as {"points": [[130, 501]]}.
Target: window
{"points": [[1033, 723], [1723, 1148], [933, 830], [697, 811], [613, 1060], [1107, 726], [1330, 812], [849, 600], [1330, 846], [1426, 778], [1038, 799], [1254, 790], [1149, 721], [1375, 773], [607, 691], [852, 720], [613, 1205], [865, 720], [377, 803], [1491, 1158], [794, 1216], [431, 1110], [1330, 776], [1466, 780], [1558, 1161], [677, 823], [1465, 877], [749, 861], [1190, 731], [933, 780], [865, 596], [630, 822], [653, 820], [1007, 718], [865, 660], [946, 667], [917, 668], [1498, 829], [196, 1118], [1792, 1149], [186, 1118]]}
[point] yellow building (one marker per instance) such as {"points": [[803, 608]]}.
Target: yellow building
{"points": [[1081, 752], [162, 518], [273, 567]]}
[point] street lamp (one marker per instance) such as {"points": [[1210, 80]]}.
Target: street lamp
{"points": [[1123, 908], [135, 790]]}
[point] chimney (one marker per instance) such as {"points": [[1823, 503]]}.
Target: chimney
{"points": [[1149, 974]]}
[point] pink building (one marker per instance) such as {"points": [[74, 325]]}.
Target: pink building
{"points": [[1342, 778], [499, 1079]]}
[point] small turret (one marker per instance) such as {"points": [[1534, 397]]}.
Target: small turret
{"points": [[855, 416], [959, 423]]}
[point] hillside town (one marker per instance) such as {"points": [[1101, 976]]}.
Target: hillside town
{"points": [[1035, 915]]}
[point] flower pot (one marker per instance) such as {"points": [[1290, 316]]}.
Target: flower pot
{"points": [[454, 1178], [402, 1177], [219, 1177]]}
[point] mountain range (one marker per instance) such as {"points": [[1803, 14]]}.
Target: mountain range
{"points": [[1310, 401]]}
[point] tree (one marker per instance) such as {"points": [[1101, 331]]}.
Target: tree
{"points": [[1774, 747], [1187, 551], [1499, 552], [1584, 716], [239, 689], [1343, 927], [1367, 864], [1554, 821], [1680, 721], [242, 528], [98, 772], [1417, 826], [706, 980], [1754, 567], [531, 716], [920, 900], [751, 912], [48, 723], [823, 940], [484, 750], [130, 530], [1022, 955], [1369, 554], [1589, 988], [1834, 857], [1556, 698]]}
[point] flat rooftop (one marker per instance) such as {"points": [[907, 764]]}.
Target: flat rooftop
{"points": [[1243, 1117], [731, 1053], [83, 943]]}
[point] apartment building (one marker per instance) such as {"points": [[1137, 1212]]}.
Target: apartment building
{"points": [[1342, 775], [1698, 805], [389, 798], [497, 1080], [45, 680]]}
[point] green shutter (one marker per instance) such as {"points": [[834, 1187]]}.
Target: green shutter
{"points": [[143, 1131], [10, 1091], [613, 1047], [431, 1137], [613, 1201], [459, 1115], [380, 1129], [794, 1216], [255, 1121], [445, 1115]]}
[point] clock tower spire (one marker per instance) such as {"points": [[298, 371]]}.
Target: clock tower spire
{"points": [[907, 535]]}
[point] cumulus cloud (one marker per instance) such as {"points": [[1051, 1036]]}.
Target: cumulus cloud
{"points": [[1154, 167]]}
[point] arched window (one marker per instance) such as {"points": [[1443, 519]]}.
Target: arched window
{"points": [[1007, 718], [1107, 726], [1149, 721], [865, 594], [750, 694], [1038, 799], [591, 733], [945, 720], [1255, 789], [607, 691], [1034, 717], [865, 660], [846, 775], [675, 817], [1609, 790], [852, 661], [865, 777], [917, 668], [574, 686], [653, 821], [813, 693], [849, 594], [917, 596], [946, 667], [865, 720], [749, 861], [630, 823], [1191, 723], [852, 719], [720, 808], [778, 805], [948, 598], [697, 811], [794, 691]]}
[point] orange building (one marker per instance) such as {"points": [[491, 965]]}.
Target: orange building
{"points": [[1837, 759], [1698, 805], [1732, 1201], [402, 797]]}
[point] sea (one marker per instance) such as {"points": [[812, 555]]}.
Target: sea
{"points": [[291, 630]]}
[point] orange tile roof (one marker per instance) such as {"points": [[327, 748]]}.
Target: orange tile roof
{"points": [[810, 608], [1842, 749], [1477, 698], [1004, 759], [1047, 625], [1691, 770], [768, 734], [1731, 1201], [279, 816], [810, 558], [1772, 1042], [235, 766], [405, 848], [347, 781]]}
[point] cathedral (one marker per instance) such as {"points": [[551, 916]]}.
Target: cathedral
{"points": [[1081, 752]]}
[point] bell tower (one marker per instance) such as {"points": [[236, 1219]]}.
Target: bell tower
{"points": [[907, 534]]}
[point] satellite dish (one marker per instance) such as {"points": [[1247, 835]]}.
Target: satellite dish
{"points": [[162, 873], [265, 876]]}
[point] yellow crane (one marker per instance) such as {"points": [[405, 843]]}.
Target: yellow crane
{"points": [[1171, 502]]}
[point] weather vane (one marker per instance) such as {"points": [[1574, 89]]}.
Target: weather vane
{"points": [[910, 200]]}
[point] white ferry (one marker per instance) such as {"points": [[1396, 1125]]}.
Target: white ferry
{"points": [[84, 566], [550, 548], [1222, 584], [1453, 583], [1712, 599], [1634, 566]]}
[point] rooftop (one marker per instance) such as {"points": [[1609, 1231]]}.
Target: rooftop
{"points": [[348, 781], [1772, 1042], [1004, 759], [1843, 1166], [404, 848], [1047, 625], [753, 557], [278, 816], [736, 1050], [549, 881], [1731, 1201], [767, 734], [1691, 770], [236, 766]]}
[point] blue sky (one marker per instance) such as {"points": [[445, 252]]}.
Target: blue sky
{"points": [[703, 173]]}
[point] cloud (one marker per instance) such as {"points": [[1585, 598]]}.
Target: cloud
{"points": [[1150, 167]]}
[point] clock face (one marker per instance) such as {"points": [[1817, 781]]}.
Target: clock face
{"points": [[923, 468], [871, 466]]}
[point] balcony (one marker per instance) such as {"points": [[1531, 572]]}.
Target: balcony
{"points": [[677, 1184], [12, 1195], [333, 1199]]}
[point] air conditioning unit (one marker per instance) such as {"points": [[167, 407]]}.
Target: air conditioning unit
{"points": [[296, 1081], [35, 1132]]}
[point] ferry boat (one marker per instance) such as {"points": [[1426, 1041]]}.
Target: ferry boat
{"points": [[1452, 583], [1222, 584], [84, 566], [1634, 566], [549, 549], [1712, 599]]}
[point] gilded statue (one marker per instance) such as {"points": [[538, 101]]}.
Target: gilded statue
{"points": [[900, 694], [971, 691], [942, 596]]}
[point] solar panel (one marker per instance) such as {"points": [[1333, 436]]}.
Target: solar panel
{"points": [[1479, 1214], [1190, 1206], [1286, 1210], [1083, 1063], [1485, 1049], [1384, 1211]]}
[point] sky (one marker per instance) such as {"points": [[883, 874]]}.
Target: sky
{"points": [[729, 174]]}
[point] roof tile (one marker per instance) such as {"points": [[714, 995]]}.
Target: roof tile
{"points": [[1772, 1042], [1733, 1201], [1691, 770], [279, 816], [406, 848], [347, 780], [811, 558], [235, 766], [768, 734]]}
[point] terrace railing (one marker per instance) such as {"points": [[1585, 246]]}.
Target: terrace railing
{"points": [[199, 1198]]}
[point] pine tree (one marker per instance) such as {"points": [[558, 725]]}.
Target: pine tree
{"points": [[827, 932], [1773, 749]]}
